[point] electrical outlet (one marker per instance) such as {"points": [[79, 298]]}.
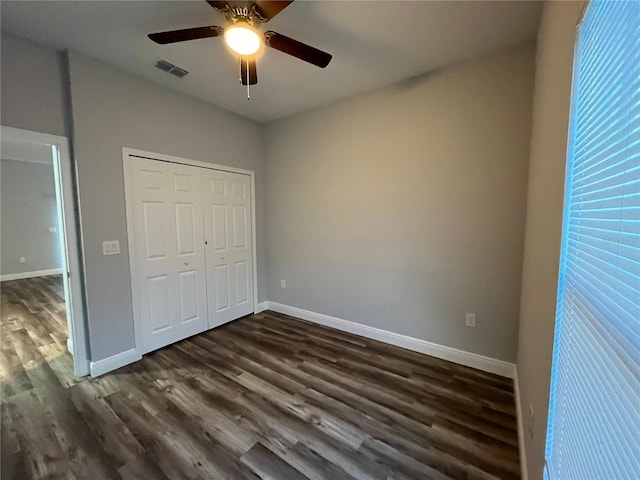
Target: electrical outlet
{"points": [[470, 320], [531, 422], [283, 284]]}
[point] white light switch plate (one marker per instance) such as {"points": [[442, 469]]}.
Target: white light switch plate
{"points": [[110, 247]]}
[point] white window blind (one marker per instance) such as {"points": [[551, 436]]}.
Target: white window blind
{"points": [[593, 431]]}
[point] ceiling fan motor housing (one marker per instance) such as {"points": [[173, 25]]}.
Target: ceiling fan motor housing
{"points": [[244, 14]]}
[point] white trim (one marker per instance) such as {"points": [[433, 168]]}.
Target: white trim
{"points": [[70, 238], [128, 188], [524, 472], [34, 274], [114, 362], [469, 359], [128, 154], [25, 160], [70, 345], [182, 161], [254, 236], [262, 306], [17, 150]]}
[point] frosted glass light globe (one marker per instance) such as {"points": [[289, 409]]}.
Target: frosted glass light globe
{"points": [[242, 38]]}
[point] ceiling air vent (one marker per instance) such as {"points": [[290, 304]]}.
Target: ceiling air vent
{"points": [[171, 68]]}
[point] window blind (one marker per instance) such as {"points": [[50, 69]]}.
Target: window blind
{"points": [[593, 430]]}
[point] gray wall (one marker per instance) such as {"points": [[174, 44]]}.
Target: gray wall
{"points": [[28, 200], [404, 208], [544, 218], [113, 109], [33, 92]]}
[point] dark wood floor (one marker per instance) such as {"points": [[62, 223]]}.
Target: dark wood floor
{"points": [[267, 396]]}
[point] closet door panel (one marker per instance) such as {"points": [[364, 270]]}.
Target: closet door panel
{"points": [[221, 288], [229, 265], [169, 252], [242, 282]]}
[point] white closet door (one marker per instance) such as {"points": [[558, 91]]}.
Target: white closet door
{"points": [[227, 227], [169, 243]]}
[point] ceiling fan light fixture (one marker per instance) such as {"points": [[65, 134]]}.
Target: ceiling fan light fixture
{"points": [[242, 38]]}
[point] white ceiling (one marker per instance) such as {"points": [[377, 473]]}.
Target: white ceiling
{"points": [[373, 44]]}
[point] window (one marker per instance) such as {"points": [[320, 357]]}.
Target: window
{"points": [[594, 413]]}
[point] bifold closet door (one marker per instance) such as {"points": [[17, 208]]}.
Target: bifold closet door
{"points": [[227, 226], [169, 242]]}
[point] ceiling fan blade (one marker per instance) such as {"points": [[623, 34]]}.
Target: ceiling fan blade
{"points": [[218, 4], [268, 9], [297, 49], [187, 34], [253, 73]]}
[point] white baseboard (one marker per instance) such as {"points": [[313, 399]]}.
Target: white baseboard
{"points": [[480, 362], [114, 362], [262, 306], [36, 273], [524, 472]]}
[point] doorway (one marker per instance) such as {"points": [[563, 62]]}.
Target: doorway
{"points": [[43, 315]]}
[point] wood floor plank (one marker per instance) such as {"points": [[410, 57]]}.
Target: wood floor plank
{"points": [[396, 463], [267, 396], [44, 457], [114, 437], [61, 363], [13, 376], [159, 447], [311, 464], [83, 449], [342, 432], [11, 456], [142, 467], [199, 417], [269, 466], [8, 436], [177, 451]]}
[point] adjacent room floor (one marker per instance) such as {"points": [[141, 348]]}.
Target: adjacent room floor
{"points": [[268, 396]]}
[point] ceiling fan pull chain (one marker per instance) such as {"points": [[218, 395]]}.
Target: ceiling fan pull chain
{"points": [[248, 86]]}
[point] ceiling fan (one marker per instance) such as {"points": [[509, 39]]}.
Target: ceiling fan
{"points": [[242, 35]]}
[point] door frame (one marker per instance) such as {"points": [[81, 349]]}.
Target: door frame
{"points": [[129, 156], [67, 206]]}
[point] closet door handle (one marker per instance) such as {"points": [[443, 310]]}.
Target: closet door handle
{"points": [[187, 262]]}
